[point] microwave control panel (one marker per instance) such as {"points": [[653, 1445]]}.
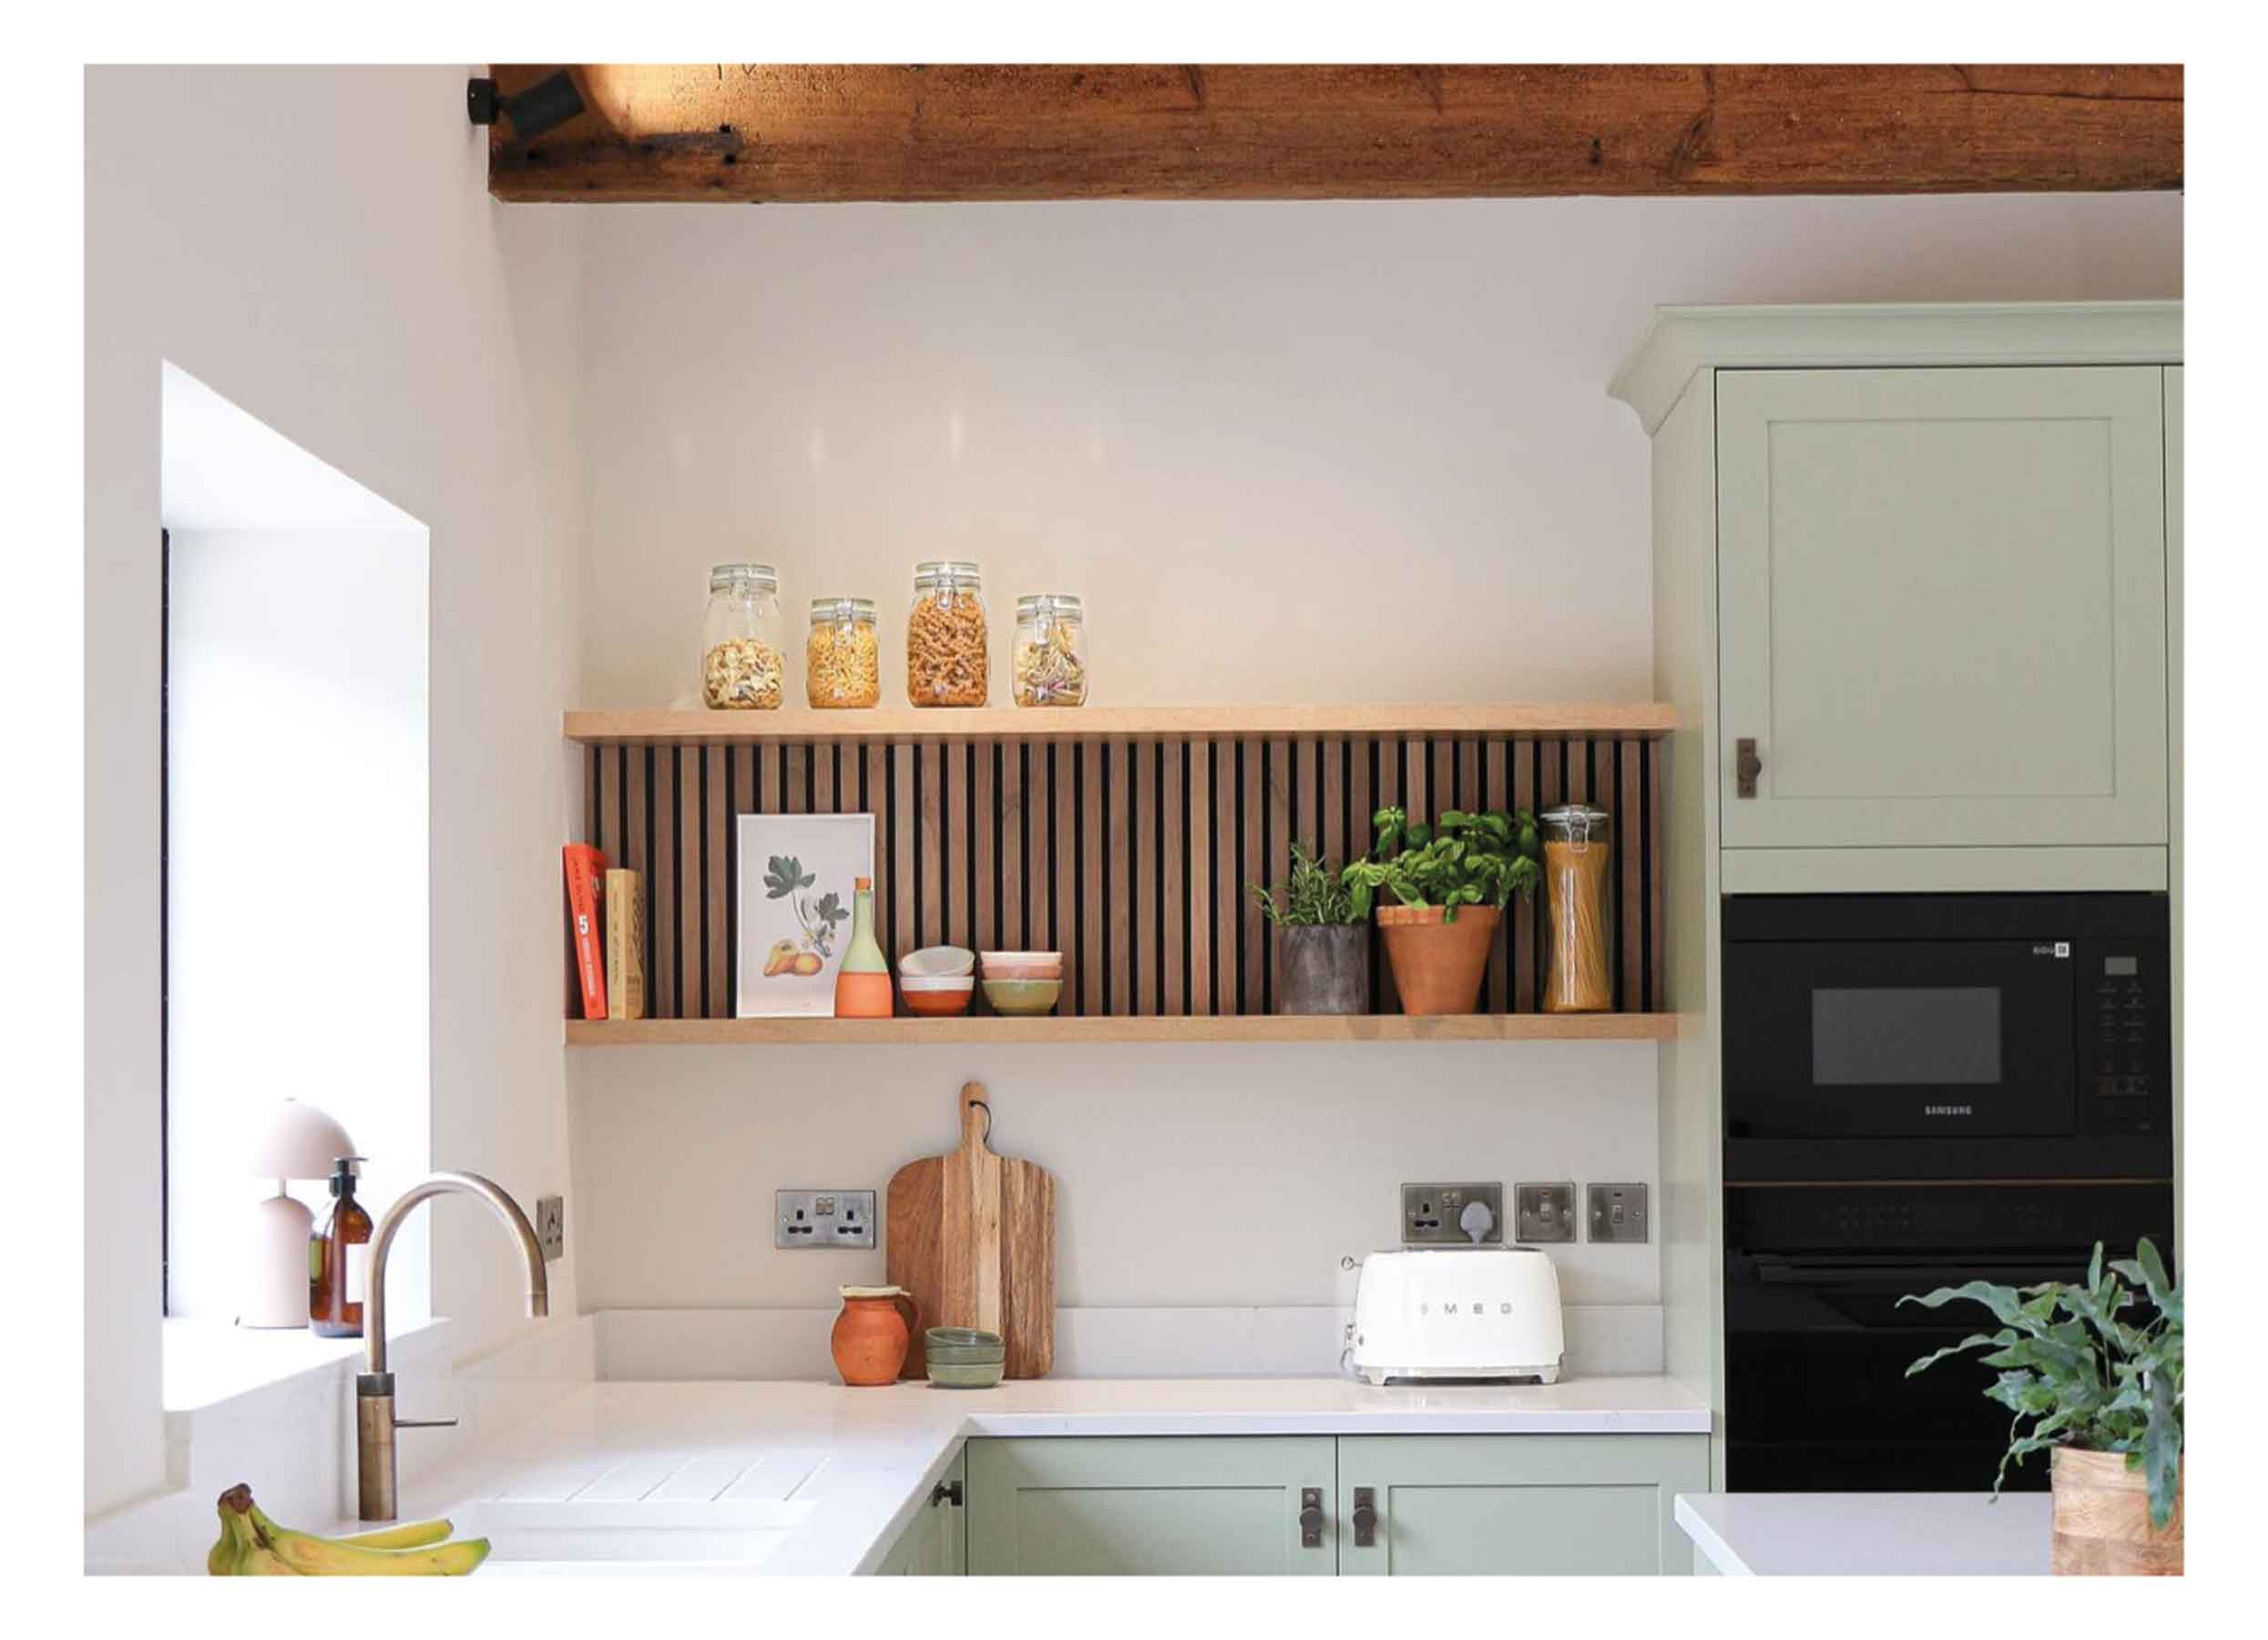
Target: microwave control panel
{"points": [[2122, 1071]]}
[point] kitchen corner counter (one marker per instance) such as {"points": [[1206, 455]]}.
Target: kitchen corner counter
{"points": [[819, 1478], [1867, 1534]]}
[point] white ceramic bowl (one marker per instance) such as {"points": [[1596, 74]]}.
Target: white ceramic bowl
{"points": [[942, 982], [937, 962]]}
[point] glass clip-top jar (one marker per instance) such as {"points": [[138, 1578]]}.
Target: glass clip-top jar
{"points": [[1051, 651], [843, 656], [946, 662], [742, 638], [1577, 877]]}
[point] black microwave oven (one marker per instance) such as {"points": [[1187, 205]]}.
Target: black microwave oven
{"points": [[1888, 1036]]}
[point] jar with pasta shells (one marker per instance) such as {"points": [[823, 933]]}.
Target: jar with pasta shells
{"points": [[1051, 655], [1579, 881], [743, 639], [843, 655], [947, 661]]}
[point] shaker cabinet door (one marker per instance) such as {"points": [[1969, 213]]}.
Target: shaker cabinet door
{"points": [[1942, 607], [1148, 1505], [1516, 1505]]}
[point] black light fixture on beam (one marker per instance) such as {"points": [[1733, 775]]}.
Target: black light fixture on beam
{"points": [[545, 106]]}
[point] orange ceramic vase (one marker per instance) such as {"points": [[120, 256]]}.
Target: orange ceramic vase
{"points": [[872, 1334]]}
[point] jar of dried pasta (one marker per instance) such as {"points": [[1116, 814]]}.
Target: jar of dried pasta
{"points": [[1051, 651], [843, 656], [1578, 976], [744, 636], [945, 658]]}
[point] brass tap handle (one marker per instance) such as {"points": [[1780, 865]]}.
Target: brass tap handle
{"points": [[424, 1423]]}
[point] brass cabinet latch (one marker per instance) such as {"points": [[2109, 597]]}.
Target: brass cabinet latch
{"points": [[1746, 767], [945, 1492], [1311, 1517], [1365, 1516]]}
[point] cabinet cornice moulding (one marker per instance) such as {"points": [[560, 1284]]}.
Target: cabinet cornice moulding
{"points": [[1680, 342]]}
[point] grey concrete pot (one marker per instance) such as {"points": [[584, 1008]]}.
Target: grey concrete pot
{"points": [[1323, 969]]}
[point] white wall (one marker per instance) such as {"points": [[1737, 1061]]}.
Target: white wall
{"points": [[319, 246], [1336, 452]]}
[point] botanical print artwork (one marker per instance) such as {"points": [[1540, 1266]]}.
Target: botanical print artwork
{"points": [[785, 878], [797, 873]]}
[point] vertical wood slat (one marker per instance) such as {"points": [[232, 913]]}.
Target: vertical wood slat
{"points": [[1387, 792], [717, 980], [1094, 840], [1131, 859], [1657, 874], [1174, 835]]}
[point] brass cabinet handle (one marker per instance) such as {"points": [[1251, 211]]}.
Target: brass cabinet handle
{"points": [[1365, 1516], [1746, 767], [1311, 1517]]}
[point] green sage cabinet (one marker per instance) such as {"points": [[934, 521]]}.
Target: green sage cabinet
{"points": [[1288, 1505], [1942, 607], [936, 1543]]}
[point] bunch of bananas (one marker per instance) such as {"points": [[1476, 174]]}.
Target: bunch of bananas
{"points": [[252, 1545]]}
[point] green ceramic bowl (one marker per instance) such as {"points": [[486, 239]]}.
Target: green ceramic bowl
{"points": [[974, 1375], [1023, 996]]}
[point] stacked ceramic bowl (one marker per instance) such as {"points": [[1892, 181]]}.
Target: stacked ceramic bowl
{"points": [[1023, 982], [965, 1358], [938, 980]]}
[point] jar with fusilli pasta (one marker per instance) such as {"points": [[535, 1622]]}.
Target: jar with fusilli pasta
{"points": [[947, 662]]}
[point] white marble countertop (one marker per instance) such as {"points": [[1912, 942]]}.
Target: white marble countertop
{"points": [[815, 1478], [1868, 1534]]}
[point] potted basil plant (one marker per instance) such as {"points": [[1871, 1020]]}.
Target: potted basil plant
{"points": [[2096, 1368], [1324, 949], [1450, 882]]}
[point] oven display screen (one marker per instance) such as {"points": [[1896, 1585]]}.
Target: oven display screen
{"points": [[1922, 1036]]}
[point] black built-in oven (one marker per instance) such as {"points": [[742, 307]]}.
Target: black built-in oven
{"points": [[1920, 1091]]}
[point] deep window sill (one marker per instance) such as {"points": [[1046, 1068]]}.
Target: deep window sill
{"points": [[208, 1364]]}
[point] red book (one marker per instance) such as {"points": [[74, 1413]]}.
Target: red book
{"points": [[586, 888]]}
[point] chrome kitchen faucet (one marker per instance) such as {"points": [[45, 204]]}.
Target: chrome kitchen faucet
{"points": [[374, 1422]]}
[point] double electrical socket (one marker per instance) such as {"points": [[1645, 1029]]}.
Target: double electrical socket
{"points": [[1432, 1213], [822, 1218]]}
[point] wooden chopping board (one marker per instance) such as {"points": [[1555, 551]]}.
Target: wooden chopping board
{"points": [[972, 1236]]}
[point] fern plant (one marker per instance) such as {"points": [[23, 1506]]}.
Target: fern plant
{"points": [[2084, 1371]]}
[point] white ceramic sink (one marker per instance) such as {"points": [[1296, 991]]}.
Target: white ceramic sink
{"points": [[550, 1537]]}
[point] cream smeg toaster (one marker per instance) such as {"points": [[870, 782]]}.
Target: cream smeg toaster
{"points": [[1450, 1313]]}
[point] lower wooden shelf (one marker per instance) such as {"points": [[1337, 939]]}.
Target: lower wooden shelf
{"points": [[1224, 1028]]}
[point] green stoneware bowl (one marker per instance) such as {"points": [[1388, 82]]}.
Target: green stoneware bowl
{"points": [[971, 1375], [1023, 996]]}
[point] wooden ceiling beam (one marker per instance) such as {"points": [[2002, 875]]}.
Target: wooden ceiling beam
{"points": [[769, 132]]}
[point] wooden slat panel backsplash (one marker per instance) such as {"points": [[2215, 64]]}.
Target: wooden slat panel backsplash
{"points": [[1131, 856]]}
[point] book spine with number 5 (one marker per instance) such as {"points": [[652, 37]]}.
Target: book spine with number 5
{"points": [[585, 888]]}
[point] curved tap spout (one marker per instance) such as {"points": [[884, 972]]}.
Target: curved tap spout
{"points": [[382, 1243]]}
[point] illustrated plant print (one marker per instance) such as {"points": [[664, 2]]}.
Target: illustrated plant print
{"points": [[821, 918]]}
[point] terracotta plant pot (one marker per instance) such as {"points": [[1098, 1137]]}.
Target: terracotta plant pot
{"points": [[1323, 969], [2102, 1519], [872, 1334], [1438, 965]]}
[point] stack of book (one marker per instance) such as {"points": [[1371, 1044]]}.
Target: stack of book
{"points": [[608, 925]]}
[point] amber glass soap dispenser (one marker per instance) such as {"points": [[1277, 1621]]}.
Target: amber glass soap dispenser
{"points": [[338, 1259]]}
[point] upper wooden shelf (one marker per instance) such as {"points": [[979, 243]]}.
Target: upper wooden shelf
{"points": [[1639, 720], [1216, 1028]]}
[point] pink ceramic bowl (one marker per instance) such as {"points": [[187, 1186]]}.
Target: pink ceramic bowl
{"points": [[937, 996], [1023, 965]]}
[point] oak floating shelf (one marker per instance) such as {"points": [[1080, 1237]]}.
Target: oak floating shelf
{"points": [[1635, 720], [1228, 1028]]}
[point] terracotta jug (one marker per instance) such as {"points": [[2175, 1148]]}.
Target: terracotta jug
{"points": [[872, 1334]]}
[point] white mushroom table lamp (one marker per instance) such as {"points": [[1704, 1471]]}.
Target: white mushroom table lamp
{"points": [[296, 1142]]}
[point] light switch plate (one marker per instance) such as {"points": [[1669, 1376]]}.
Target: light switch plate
{"points": [[822, 1218], [1616, 1213], [551, 1227], [1543, 1212], [1430, 1215]]}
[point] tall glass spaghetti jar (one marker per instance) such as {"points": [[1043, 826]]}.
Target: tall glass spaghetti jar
{"points": [[1578, 977], [742, 637], [946, 662]]}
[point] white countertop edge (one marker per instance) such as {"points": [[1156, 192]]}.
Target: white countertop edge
{"points": [[1719, 1552]]}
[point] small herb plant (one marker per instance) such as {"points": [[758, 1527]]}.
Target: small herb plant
{"points": [[785, 877], [2093, 1378], [1460, 860], [1315, 896]]}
